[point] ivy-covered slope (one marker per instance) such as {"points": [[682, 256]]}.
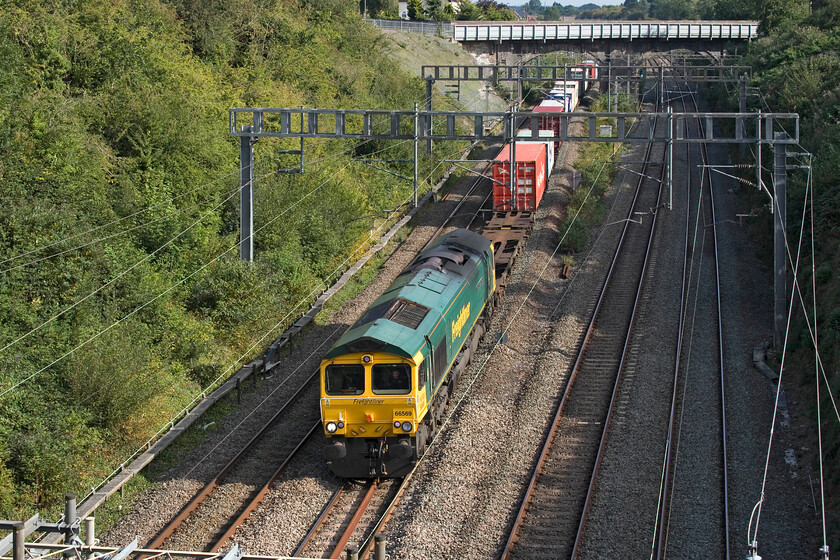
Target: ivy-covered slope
{"points": [[121, 291]]}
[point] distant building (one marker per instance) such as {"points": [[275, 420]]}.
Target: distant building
{"points": [[402, 8]]}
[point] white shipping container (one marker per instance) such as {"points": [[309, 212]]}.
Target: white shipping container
{"points": [[549, 152]]}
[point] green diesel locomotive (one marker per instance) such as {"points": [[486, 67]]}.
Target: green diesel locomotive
{"points": [[385, 382]]}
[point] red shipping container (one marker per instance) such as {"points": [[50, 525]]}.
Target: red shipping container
{"points": [[530, 178]]}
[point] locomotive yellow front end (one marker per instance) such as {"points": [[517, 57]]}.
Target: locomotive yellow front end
{"points": [[370, 408]]}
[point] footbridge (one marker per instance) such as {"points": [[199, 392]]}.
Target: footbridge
{"points": [[525, 37]]}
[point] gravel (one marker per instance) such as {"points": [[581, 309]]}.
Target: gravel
{"points": [[155, 507], [467, 489]]}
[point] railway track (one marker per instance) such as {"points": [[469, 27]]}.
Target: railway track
{"points": [[232, 495], [553, 511], [210, 519], [350, 518], [676, 510]]}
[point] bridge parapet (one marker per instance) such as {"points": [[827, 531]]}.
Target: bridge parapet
{"points": [[599, 30]]}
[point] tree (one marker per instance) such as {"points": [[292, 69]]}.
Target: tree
{"points": [[378, 7], [636, 9], [434, 10], [533, 7], [468, 11], [672, 9], [415, 9], [495, 11]]}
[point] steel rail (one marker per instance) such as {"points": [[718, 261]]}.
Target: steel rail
{"points": [[480, 209], [321, 518], [185, 512], [584, 344], [624, 353], [365, 547], [354, 522], [675, 391], [464, 199], [664, 504], [720, 346], [352, 525], [454, 211], [260, 495]]}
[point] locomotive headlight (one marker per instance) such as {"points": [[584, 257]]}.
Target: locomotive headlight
{"points": [[397, 424], [340, 424], [406, 426], [331, 427]]}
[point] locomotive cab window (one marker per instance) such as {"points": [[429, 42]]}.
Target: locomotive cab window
{"points": [[340, 379], [391, 379]]}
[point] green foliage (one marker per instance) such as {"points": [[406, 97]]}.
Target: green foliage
{"points": [[834, 320], [586, 208], [576, 234], [120, 187], [798, 69], [415, 9], [469, 11], [824, 273]]}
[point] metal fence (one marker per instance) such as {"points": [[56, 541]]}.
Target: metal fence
{"points": [[442, 29]]}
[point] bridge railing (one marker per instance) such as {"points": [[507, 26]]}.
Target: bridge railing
{"points": [[441, 28]]}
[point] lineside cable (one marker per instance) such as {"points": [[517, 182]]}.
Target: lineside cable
{"points": [[751, 540]]}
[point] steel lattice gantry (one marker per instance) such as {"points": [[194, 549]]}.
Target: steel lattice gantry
{"points": [[250, 124], [544, 73], [720, 128]]}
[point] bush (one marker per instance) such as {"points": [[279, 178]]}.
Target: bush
{"points": [[575, 234]]}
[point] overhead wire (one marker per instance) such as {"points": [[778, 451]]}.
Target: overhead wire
{"points": [[267, 334], [796, 291], [288, 314], [161, 294], [264, 336], [114, 279], [144, 259], [525, 299], [759, 506], [117, 234], [140, 226], [97, 228], [816, 365]]}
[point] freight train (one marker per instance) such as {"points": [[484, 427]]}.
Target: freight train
{"points": [[386, 382]]}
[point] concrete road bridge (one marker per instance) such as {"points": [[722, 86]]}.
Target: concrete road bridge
{"points": [[503, 38]]}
